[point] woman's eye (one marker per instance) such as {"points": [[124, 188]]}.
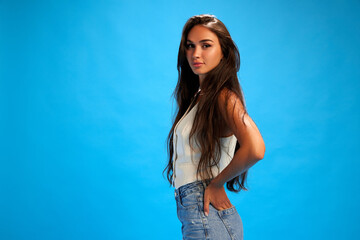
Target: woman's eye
{"points": [[190, 45]]}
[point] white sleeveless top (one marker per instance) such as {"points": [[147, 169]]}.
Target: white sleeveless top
{"points": [[186, 159]]}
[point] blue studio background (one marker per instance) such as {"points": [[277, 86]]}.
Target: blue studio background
{"points": [[85, 109]]}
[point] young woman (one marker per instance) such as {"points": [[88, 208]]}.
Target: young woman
{"points": [[213, 140]]}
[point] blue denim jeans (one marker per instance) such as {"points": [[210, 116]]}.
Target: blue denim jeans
{"points": [[219, 224]]}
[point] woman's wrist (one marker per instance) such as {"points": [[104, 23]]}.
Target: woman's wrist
{"points": [[217, 183]]}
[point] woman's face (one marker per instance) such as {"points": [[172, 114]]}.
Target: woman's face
{"points": [[203, 50]]}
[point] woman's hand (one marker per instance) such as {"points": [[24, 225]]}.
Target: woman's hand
{"points": [[217, 197]]}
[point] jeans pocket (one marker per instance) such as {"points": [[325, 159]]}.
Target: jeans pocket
{"points": [[232, 221], [227, 211], [189, 200]]}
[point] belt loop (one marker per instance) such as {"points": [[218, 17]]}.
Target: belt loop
{"points": [[176, 192], [204, 184]]}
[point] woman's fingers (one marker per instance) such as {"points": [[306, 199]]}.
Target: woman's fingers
{"points": [[217, 197], [222, 206]]}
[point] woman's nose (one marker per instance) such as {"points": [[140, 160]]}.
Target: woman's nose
{"points": [[196, 53]]}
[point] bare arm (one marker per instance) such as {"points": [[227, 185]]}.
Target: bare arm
{"points": [[252, 149], [252, 146]]}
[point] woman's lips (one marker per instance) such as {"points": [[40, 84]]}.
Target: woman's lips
{"points": [[197, 64]]}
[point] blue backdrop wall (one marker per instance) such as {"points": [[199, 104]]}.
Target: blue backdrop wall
{"points": [[85, 109]]}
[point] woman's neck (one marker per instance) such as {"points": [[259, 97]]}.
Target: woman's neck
{"points": [[201, 80]]}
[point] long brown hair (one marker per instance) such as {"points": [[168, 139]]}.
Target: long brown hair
{"points": [[208, 115]]}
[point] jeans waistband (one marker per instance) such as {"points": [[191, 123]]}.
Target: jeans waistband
{"points": [[181, 189]]}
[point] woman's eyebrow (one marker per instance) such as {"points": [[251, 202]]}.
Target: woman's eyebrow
{"points": [[204, 40]]}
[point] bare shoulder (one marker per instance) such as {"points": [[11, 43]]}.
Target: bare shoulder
{"points": [[229, 104], [237, 120]]}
